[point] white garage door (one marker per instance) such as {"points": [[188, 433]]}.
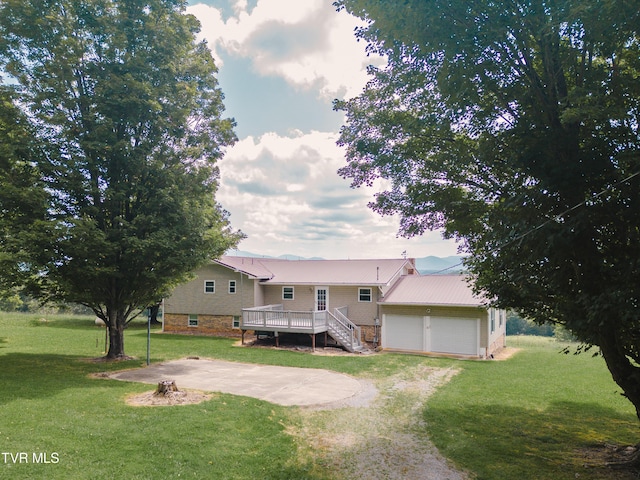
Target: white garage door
{"points": [[454, 335], [403, 332], [430, 334]]}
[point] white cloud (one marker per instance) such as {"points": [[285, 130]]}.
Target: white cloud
{"points": [[307, 43], [284, 193]]}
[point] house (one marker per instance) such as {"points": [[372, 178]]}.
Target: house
{"points": [[380, 302], [440, 314]]}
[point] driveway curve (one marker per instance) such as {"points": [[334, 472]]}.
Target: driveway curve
{"points": [[281, 385]]}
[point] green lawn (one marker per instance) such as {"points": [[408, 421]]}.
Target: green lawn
{"points": [[531, 416], [522, 418]]}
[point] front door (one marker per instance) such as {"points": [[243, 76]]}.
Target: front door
{"points": [[322, 298]]}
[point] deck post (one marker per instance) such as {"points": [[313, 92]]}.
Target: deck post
{"points": [[243, 332], [313, 342], [277, 339]]}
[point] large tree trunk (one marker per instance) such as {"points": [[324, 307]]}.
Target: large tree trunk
{"points": [[116, 338], [624, 373], [153, 313]]}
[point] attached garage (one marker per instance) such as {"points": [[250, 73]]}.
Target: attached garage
{"points": [[458, 336], [439, 314]]}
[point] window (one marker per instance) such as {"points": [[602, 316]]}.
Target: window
{"points": [[287, 293], [364, 294], [193, 320], [232, 286], [236, 322], [209, 286], [492, 316]]}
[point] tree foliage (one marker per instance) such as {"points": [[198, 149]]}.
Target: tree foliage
{"points": [[22, 198], [513, 126], [125, 104]]}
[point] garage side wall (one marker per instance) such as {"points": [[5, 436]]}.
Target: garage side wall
{"points": [[496, 337]]}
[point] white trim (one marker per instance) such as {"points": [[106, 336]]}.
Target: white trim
{"points": [[293, 293], [235, 287], [370, 294], [326, 298], [213, 284]]}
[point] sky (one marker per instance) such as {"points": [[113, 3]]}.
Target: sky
{"points": [[281, 64]]}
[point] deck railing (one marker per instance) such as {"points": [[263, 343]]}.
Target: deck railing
{"points": [[271, 317]]}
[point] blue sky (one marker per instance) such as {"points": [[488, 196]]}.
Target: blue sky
{"points": [[281, 64]]}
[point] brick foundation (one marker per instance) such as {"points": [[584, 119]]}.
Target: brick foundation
{"points": [[368, 334], [207, 325]]}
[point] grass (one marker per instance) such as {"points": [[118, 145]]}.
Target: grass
{"points": [[527, 418], [532, 416]]}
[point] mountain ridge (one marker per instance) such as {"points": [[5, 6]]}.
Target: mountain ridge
{"points": [[429, 264]]}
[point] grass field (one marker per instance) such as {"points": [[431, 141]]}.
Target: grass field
{"points": [[533, 416], [529, 417]]}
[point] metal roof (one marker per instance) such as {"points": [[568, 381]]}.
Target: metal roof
{"points": [[445, 290], [319, 272], [251, 266]]}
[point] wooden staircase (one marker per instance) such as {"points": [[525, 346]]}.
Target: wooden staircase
{"points": [[344, 331]]}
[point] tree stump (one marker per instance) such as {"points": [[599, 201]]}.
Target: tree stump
{"points": [[166, 387]]}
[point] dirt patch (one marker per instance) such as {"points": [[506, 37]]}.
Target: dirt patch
{"points": [[181, 397], [505, 353], [383, 438], [609, 461], [106, 359], [298, 343]]}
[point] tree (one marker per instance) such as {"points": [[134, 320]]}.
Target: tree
{"points": [[126, 105], [513, 126], [22, 197]]}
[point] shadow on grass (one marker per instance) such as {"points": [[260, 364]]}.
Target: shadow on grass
{"points": [[29, 376], [498, 442]]}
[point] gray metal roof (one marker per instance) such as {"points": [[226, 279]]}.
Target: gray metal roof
{"points": [[445, 290], [319, 272]]}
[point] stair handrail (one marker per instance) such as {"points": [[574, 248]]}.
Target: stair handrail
{"points": [[351, 333]]}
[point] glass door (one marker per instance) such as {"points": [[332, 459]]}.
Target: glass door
{"points": [[322, 298]]}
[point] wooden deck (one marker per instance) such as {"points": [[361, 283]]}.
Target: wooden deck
{"points": [[273, 318]]}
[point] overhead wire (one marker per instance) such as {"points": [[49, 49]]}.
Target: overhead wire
{"points": [[555, 218]]}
